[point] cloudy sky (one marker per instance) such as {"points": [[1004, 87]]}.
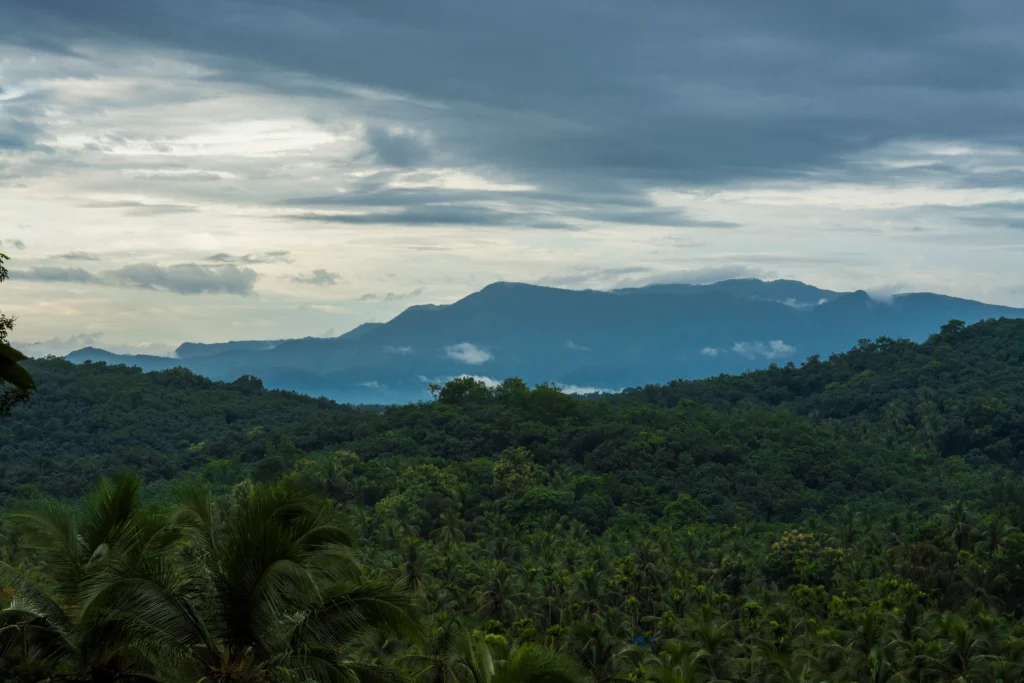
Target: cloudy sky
{"points": [[207, 170]]}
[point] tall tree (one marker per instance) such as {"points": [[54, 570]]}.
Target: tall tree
{"points": [[276, 589], [97, 561], [15, 382]]}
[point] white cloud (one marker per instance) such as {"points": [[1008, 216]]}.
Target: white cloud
{"points": [[487, 381], [575, 347], [776, 348], [582, 391], [400, 350], [709, 351], [799, 305], [373, 384], [468, 353], [884, 295]]}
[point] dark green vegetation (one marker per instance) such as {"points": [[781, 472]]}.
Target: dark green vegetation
{"points": [[15, 381], [602, 340], [854, 519]]}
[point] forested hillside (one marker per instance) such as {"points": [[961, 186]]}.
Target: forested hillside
{"points": [[854, 519], [961, 392], [88, 420]]}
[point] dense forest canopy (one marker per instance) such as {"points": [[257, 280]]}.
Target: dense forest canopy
{"points": [[856, 518]]}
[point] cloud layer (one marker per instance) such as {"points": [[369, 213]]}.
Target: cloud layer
{"points": [[185, 151], [183, 278]]}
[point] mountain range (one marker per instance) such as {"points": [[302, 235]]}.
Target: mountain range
{"points": [[583, 340]]}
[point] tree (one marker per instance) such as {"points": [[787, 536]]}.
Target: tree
{"points": [[479, 658], [276, 589], [143, 594], [15, 381], [97, 561]]}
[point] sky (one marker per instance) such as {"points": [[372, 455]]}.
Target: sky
{"points": [[209, 170]]}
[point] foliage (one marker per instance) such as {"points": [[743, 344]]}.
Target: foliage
{"points": [[15, 381], [857, 519]]}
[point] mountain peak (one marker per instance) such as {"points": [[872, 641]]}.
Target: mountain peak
{"points": [[605, 340]]}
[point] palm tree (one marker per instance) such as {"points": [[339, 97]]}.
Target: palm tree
{"points": [[966, 657], [450, 531], [453, 654], [678, 662], [275, 589], [958, 519], [501, 595], [480, 658], [535, 664], [96, 560]]}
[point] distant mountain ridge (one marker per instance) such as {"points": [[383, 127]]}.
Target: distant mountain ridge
{"points": [[580, 339]]}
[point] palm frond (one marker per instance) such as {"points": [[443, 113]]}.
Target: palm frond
{"points": [[28, 598], [321, 667], [194, 510], [51, 528], [534, 664], [349, 611], [112, 504]]}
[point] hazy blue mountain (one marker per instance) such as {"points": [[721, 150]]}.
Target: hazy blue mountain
{"points": [[581, 339], [147, 363], [790, 292], [192, 350]]}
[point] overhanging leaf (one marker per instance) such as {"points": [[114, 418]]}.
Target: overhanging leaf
{"points": [[10, 371]]}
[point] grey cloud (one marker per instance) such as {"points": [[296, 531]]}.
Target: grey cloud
{"points": [[680, 92], [133, 208], [653, 216], [1015, 222], [466, 214], [396, 149], [78, 256], [439, 215], [278, 256], [436, 205], [16, 132], [15, 243], [319, 278], [610, 101], [185, 278], [180, 176], [54, 274], [1005, 214], [391, 296], [376, 192]]}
